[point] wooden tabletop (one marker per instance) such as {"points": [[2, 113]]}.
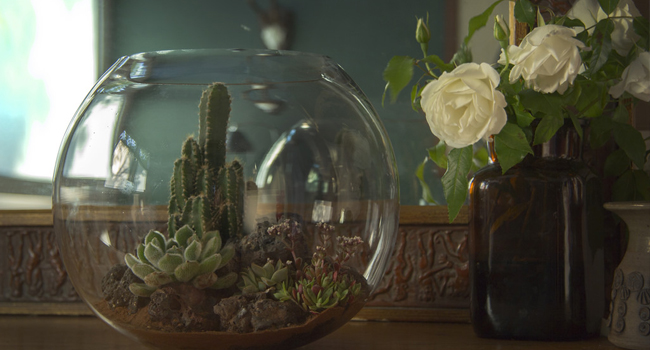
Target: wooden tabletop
{"points": [[89, 333]]}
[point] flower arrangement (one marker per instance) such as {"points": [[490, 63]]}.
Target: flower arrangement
{"points": [[591, 63]]}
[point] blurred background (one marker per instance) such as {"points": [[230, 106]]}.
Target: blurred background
{"points": [[52, 52]]}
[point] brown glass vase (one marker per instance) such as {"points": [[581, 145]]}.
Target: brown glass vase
{"points": [[536, 245]]}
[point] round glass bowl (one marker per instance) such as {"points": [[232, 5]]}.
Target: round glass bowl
{"points": [[225, 199]]}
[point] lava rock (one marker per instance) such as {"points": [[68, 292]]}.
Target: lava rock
{"points": [[257, 247], [269, 313], [115, 287]]}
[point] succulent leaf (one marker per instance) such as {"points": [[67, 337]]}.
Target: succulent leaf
{"points": [[141, 289], [226, 254], [269, 269], [140, 252], [225, 281], [211, 247], [193, 251], [258, 270], [169, 262], [157, 236], [210, 264], [205, 280], [152, 252], [131, 260], [280, 275], [186, 271], [142, 270], [157, 279], [183, 234]]}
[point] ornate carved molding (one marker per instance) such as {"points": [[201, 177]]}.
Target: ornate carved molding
{"points": [[428, 273]]}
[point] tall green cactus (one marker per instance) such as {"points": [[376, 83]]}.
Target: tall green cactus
{"points": [[205, 209], [206, 192]]}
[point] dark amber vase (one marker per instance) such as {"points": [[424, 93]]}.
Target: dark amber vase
{"points": [[536, 245]]}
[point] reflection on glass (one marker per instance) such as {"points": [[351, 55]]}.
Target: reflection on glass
{"points": [[129, 166]]}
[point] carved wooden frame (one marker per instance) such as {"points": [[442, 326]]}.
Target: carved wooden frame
{"points": [[427, 279]]}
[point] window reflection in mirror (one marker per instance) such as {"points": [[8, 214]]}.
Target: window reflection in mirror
{"points": [[47, 66]]}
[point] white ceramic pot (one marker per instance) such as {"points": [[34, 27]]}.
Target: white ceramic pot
{"points": [[629, 318]]}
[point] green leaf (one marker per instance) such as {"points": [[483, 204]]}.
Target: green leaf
{"points": [[438, 154], [624, 187], [576, 125], [524, 118], [547, 127], [426, 190], [642, 28], [398, 74], [591, 98], [621, 115], [630, 140], [608, 5], [601, 44], [571, 22], [414, 96], [511, 146], [442, 65], [642, 182], [454, 181], [525, 12], [539, 102], [480, 158], [633, 185], [617, 163], [478, 22], [463, 55], [601, 131]]}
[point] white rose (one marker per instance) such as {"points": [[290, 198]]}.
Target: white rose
{"points": [[463, 105], [623, 36], [635, 79], [548, 58]]}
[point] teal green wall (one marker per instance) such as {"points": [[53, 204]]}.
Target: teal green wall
{"points": [[360, 35]]}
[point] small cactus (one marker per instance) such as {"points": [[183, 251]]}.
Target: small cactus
{"points": [[206, 192], [188, 257], [260, 278]]}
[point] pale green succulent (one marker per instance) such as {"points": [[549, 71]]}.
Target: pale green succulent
{"points": [[260, 278], [187, 257]]}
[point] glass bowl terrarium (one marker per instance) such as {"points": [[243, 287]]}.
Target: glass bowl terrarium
{"points": [[225, 199]]}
